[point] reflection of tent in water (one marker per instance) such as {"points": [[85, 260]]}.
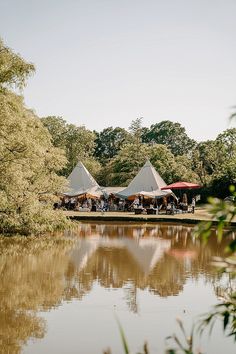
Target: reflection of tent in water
{"points": [[81, 182], [145, 252]]}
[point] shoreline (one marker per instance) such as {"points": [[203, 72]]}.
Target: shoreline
{"points": [[186, 218]]}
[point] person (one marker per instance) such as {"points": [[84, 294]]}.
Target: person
{"points": [[136, 202], [193, 204], [102, 203]]}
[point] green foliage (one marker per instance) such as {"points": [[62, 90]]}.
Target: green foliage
{"points": [[29, 161], [226, 313], [93, 166], [223, 213], [109, 142], [28, 178], [171, 168], [120, 170], [204, 158], [14, 71], [78, 143], [215, 163], [173, 135], [125, 165], [183, 346], [57, 128], [136, 130]]}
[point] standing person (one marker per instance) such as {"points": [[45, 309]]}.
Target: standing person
{"points": [[102, 203], [193, 205], [136, 202]]}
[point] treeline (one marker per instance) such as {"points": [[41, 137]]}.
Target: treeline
{"points": [[115, 155]]}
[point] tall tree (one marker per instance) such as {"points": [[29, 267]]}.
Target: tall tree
{"points": [[136, 130], [120, 170], [109, 142], [57, 128], [77, 142], [225, 171], [29, 162], [204, 161], [170, 167], [171, 134]]}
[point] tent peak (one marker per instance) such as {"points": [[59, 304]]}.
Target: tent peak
{"points": [[80, 181], [147, 180], [148, 163]]}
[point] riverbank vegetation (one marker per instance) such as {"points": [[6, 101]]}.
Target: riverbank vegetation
{"points": [[29, 162]]}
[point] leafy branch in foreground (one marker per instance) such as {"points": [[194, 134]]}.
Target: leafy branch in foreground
{"points": [[226, 312], [186, 345], [224, 213]]}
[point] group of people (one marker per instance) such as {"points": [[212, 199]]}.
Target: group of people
{"points": [[165, 204], [91, 204], [115, 204]]}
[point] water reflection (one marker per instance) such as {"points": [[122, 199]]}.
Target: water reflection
{"points": [[159, 258], [29, 283]]}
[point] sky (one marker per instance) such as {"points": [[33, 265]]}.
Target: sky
{"points": [[103, 63]]}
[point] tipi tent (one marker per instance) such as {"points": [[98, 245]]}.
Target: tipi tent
{"points": [[147, 182], [81, 182]]}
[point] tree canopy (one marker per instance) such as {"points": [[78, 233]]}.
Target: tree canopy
{"points": [[29, 161], [14, 70], [171, 134], [109, 142]]}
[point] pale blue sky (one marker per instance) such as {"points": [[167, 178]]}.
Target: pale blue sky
{"points": [[106, 62]]}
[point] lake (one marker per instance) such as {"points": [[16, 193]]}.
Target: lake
{"points": [[68, 297]]}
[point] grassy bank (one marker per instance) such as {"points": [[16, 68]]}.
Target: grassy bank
{"points": [[201, 214]]}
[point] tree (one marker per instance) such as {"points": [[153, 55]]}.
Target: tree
{"points": [[171, 168], [109, 142], [57, 128], [126, 164], [225, 171], [14, 70], [77, 142], [120, 170], [173, 135], [29, 162], [204, 160], [135, 129]]}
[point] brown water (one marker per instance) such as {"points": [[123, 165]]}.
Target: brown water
{"points": [[65, 298]]}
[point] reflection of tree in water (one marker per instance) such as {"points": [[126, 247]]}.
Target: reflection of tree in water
{"points": [[16, 327], [130, 291], [167, 278], [29, 283], [111, 267]]}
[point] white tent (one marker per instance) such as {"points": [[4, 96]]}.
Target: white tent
{"points": [[81, 182], [147, 183], [107, 191]]}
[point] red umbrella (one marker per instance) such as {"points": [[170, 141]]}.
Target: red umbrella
{"points": [[182, 185]]}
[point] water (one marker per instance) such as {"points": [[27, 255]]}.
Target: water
{"points": [[67, 298]]}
